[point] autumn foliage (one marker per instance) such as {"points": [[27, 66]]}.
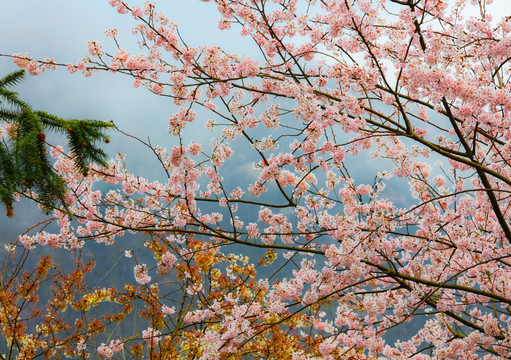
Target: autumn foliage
{"points": [[352, 202]]}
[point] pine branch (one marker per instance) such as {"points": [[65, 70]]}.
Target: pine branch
{"points": [[24, 162], [12, 79]]}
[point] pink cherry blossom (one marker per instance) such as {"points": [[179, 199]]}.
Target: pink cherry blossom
{"points": [[357, 167]]}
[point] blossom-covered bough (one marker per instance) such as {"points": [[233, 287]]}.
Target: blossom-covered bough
{"points": [[416, 89]]}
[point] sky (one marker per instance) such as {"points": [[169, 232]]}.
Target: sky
{"points": [[60, 29]]}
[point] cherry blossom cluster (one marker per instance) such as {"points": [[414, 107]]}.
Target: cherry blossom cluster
{"points": [[299, 137]]}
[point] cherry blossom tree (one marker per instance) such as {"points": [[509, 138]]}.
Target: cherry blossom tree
{"points": [[356, 183]]}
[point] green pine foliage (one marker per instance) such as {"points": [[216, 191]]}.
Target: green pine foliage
{"points": [[24, 161]]}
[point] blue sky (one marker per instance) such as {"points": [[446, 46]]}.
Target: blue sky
{"points": [[60, 29]]}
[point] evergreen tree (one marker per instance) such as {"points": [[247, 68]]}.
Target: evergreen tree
{"points": [[24, 161]]}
